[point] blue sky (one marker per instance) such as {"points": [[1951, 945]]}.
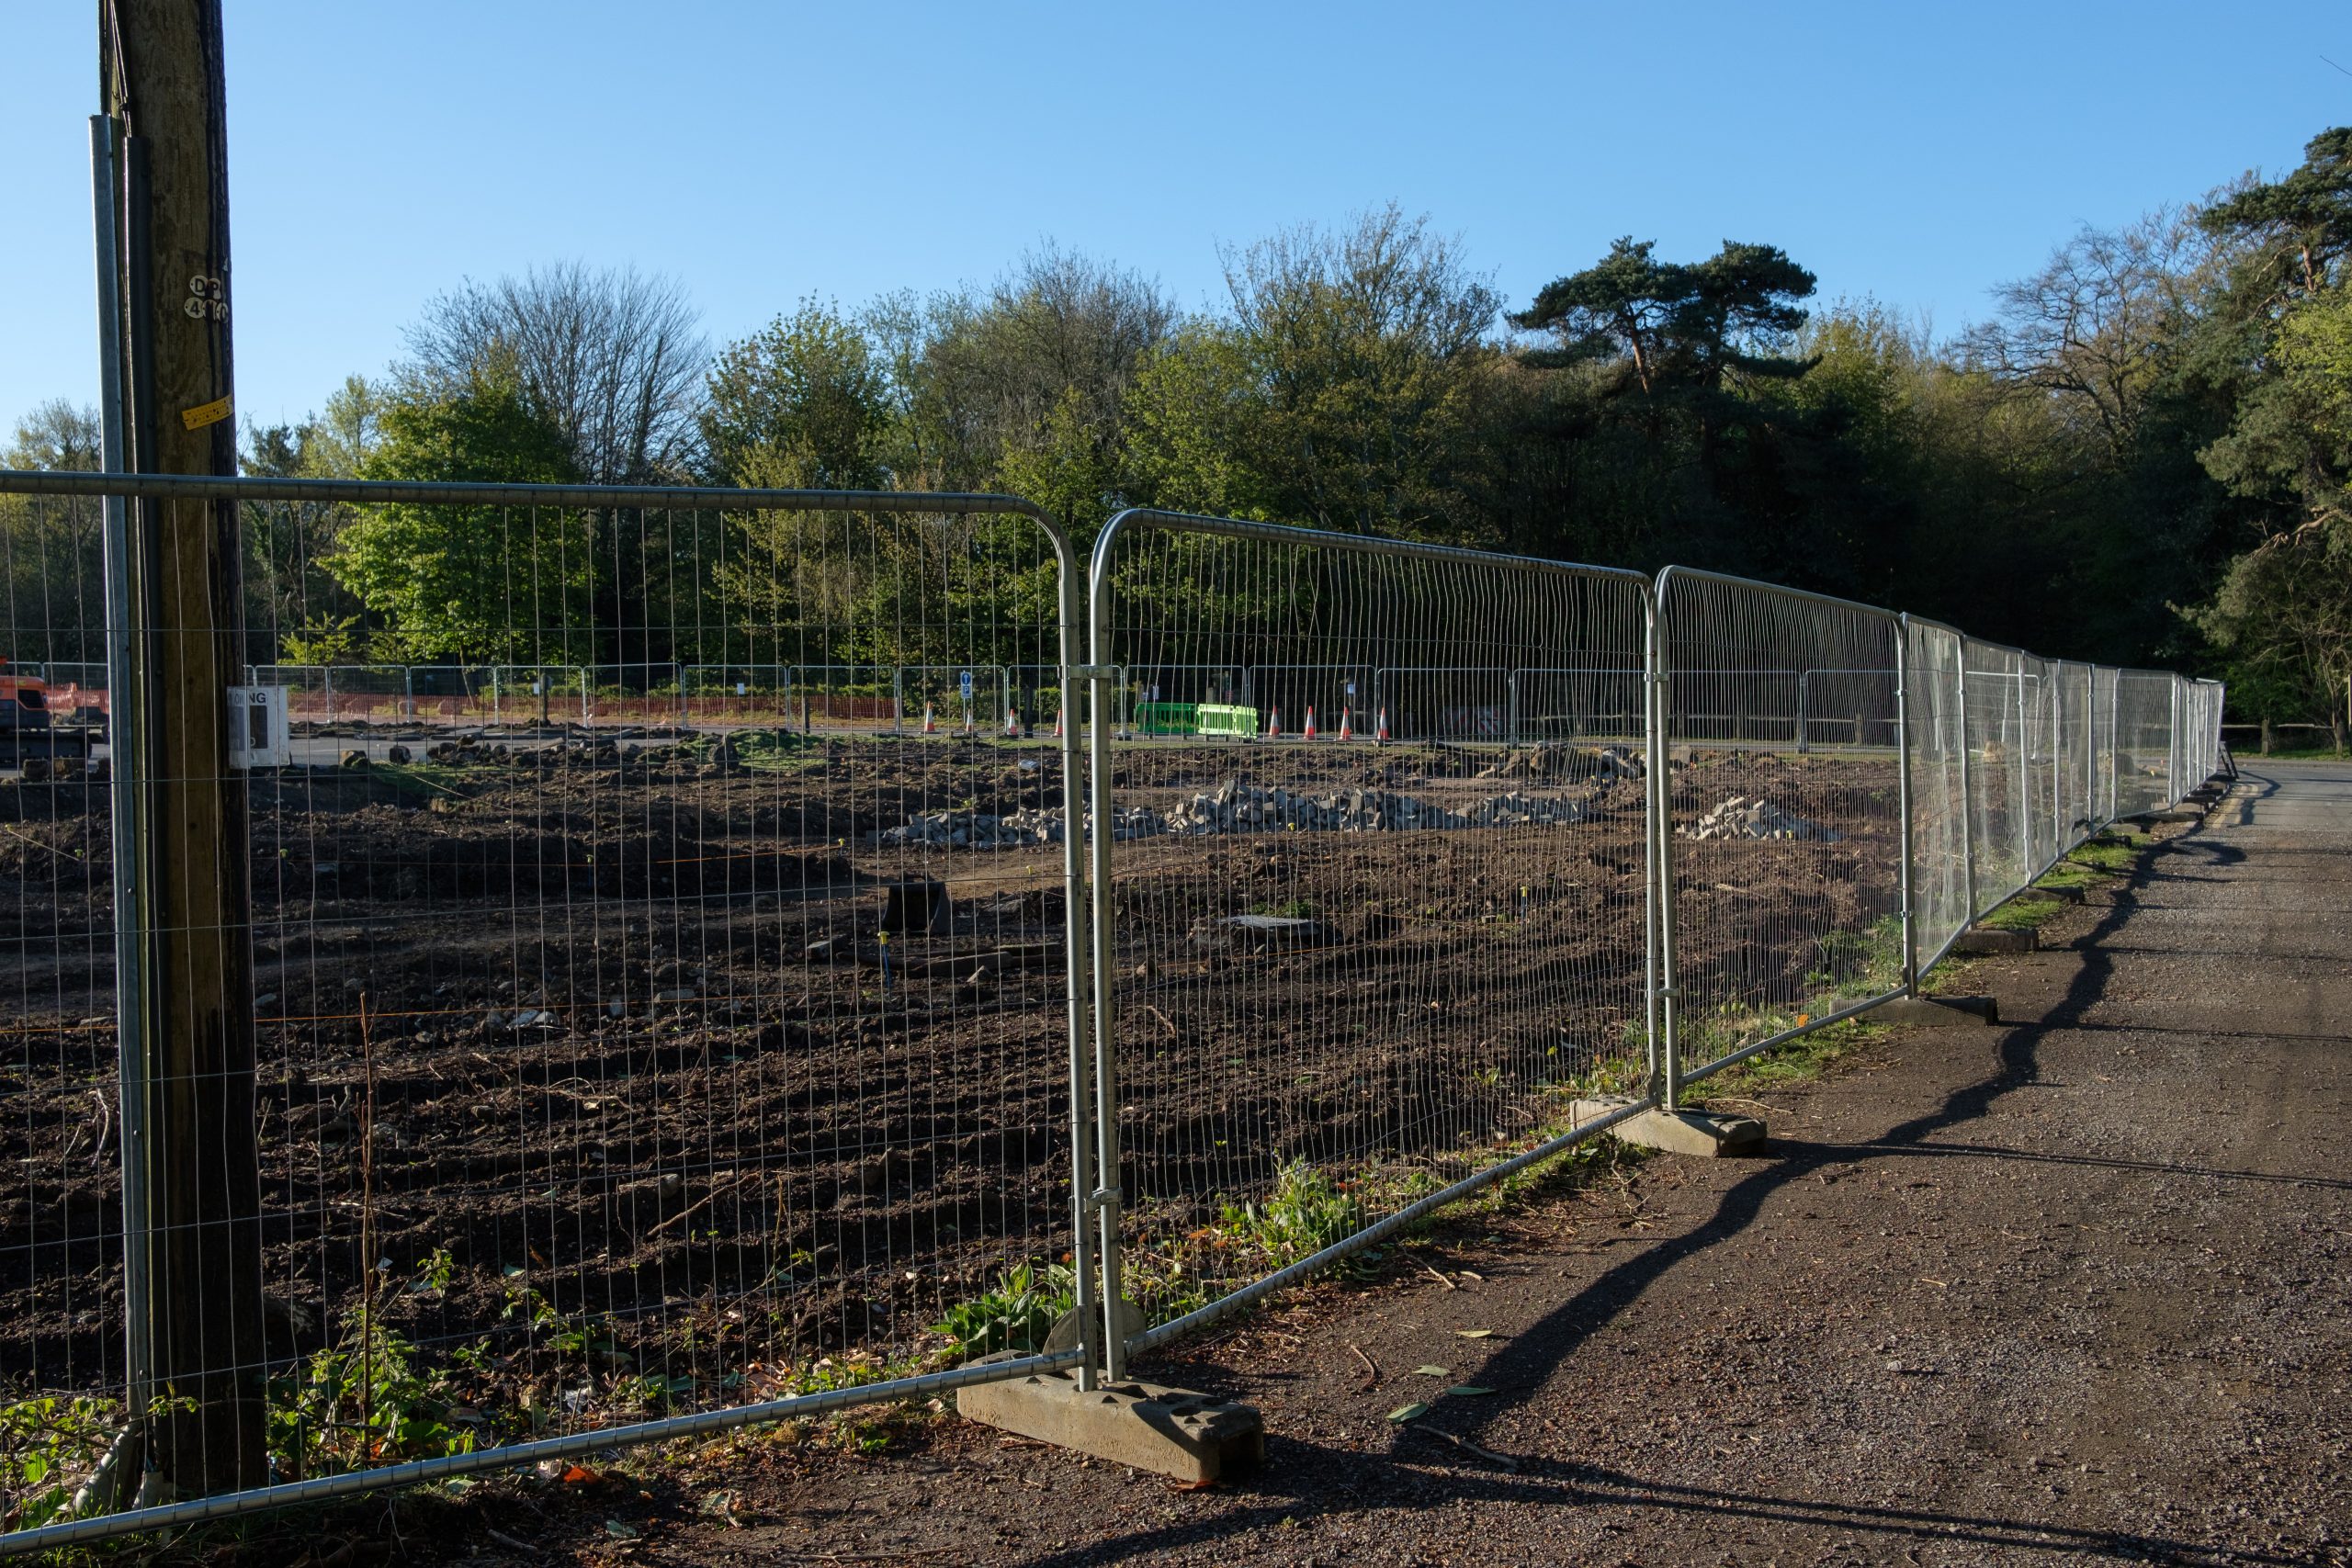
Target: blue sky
{"points": [[382, 153]]}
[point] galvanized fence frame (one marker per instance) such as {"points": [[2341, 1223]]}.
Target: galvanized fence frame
{"points": [[1124, 1333], [1083, 1357], [1765, 620]]}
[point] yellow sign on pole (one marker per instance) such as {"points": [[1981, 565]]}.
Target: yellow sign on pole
{"points": [[203, 414]]}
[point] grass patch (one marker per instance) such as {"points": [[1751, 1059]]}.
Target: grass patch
{"points": [[1800, 1060], [764, 751]]}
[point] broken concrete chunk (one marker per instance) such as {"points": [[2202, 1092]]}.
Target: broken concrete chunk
{"points": [[1753, 817]]}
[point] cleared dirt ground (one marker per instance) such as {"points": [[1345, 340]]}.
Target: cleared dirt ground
{"points": [[2072, 1288]]}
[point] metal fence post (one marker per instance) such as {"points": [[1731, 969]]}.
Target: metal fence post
{"points": [[126, 778], [2021, 766], [1907, 882], [1667, 1085], [2172, 749], [1104, 1200], [1967, 798], [2090, 752], [2058, 840]]}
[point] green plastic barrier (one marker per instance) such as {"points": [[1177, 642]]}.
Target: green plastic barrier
{"points": [[1219, 719], [1167, 718]]}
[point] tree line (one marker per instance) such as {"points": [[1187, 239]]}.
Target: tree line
{"points": [[2141, 456]]}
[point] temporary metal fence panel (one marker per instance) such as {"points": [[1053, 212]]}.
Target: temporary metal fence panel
{"points": [[1593, 703], [1289, 696], [725, 694], [2074, 723], [636, 693], [1939, 783], [2144, 763], [1996, 776], [956, 698], [595, 1093], [1340, 978], [1785, 870]]}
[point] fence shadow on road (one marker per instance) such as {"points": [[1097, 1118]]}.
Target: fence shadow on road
{"points": [[1537, 1353]]}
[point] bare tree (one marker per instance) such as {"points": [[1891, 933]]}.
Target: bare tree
{"points": [[56, 434], [613, 358], [1368, 347], [2095, 331], [1055, 342]]}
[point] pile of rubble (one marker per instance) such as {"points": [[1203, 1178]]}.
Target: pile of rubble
{"points": [[1235, 808], [1753, 817], [1559, 759], [1012, 830]]}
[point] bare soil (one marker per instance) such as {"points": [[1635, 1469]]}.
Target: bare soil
{"points": [[2073, 1288], [633, 1117]]}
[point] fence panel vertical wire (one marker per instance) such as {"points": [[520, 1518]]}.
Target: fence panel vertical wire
{"points": [[1786, 867], [1346, 977], [619, 1078]]}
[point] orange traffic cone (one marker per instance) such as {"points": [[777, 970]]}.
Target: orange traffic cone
{"points": [[930, 724], [1347, 729], [1057, 724], [1382, 733], [1012, 723], [1308, 733], [1275, 724]]}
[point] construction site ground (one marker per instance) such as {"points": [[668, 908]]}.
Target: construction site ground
{"points": [[2072, 1288]]}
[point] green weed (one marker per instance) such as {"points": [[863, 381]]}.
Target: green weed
{"points": [[1017, 1314], [1305, 1213], [362, 1401]]}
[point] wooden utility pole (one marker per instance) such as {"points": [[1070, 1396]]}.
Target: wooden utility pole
{"points": [[163, 83]]}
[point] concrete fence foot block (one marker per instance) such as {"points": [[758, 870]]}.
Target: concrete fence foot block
{"points": [[1936, 1013], [1704, 1134], [1169, 1431]]}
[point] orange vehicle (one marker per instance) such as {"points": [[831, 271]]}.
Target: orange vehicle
{"points": [[28, 729]]}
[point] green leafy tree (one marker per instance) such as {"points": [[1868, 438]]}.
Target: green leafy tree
{"points": [[1675, 323], [467, 583], [52, 572], [1362, 353], [802, 403]]}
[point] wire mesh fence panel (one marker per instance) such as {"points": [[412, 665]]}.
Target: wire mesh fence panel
{"points": [[62, 1346], [1326, 698], [2203, 731], [1597, 703], [961, 699], [1996, 786], [2143, 742], [2072, 723], [635, 693], [594, 1079], [2037, 784], [1785, 867], [1342, 975], [725, 694], [1939, 783], [1843, 707]]}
